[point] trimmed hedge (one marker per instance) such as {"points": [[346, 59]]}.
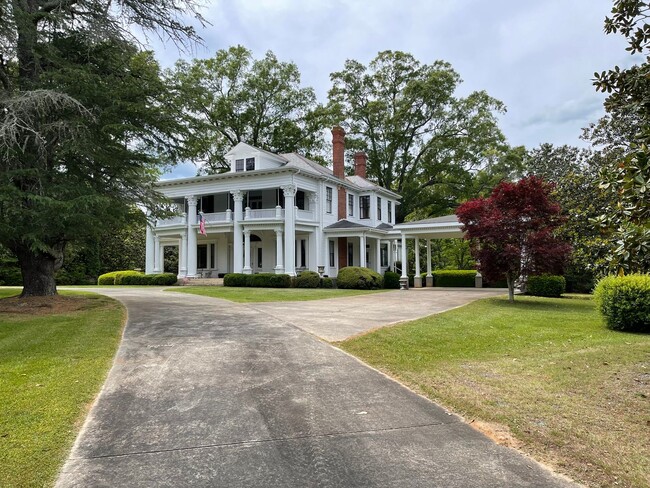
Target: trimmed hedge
{"points": [[259, 280], [391, 280], [624, 301], [454, 277], [327, 283], [136, 278], [546, 285], [307, 279], [357, 278]]}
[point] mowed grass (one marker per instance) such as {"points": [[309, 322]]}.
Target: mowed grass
{"points": [[252, 295], [575, 394], [52, 366]]}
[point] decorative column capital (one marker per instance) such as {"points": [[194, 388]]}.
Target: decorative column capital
{"points": [[289, 190], [278, 232], [247, 232], [156, 238], [183, 234], [237, 195], [191, 200]]}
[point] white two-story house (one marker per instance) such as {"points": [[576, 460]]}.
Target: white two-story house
{"points": [[277, 213]]}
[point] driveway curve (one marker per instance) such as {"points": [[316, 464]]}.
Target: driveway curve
{"points": [[205, 392]]}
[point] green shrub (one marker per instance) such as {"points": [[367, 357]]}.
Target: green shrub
{"points": [[355, 277], [327, 283], [307, 279], [128, 278], [107, 278], [259, 280], [546, 285], [162, 279], [454, 277], [10, 274], [624, 301], [235, 279], [391, 280]]}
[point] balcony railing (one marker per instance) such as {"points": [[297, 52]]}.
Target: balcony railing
{"points": [[304, 215], [176, 220], [218, 217]]}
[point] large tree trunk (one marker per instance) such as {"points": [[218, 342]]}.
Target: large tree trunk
{"points": [[38, 272]]}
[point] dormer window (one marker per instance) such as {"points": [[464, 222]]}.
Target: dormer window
{"points": [[247, 164]]}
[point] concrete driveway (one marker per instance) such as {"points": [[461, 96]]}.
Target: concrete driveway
{"points": [[206, 392]]}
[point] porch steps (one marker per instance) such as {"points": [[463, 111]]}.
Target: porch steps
{"points": [[201, 282]]}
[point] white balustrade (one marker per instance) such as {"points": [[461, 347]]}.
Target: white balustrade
{"points": [[264, 213], [217, 217], [176, 220], [304, 215]]}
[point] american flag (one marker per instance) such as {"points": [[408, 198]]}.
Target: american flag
{"points": [[202, 224]]}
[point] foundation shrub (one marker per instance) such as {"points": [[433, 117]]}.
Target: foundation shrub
{"points": [[107, 278], [391, 280], [454, 277], [624, 302], [162, 279], [268, 280], [235, 279], [307, 279], [327, 283], [546, 286], [357, 278], [129, 278]]}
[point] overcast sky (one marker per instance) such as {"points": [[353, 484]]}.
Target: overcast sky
{"points": [[538, 57]]}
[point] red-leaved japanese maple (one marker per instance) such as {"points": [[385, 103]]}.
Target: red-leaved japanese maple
{"points": [[512, 231]]}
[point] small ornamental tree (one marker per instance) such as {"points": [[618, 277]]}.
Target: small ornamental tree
{"points": [[512, 231]]}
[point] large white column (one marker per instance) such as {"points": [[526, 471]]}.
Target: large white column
{"points": [[279, 267], [316, 259], [237, 251], [289, 229], [362, 251], [157, 256], [191, 236], [417, 280], [182, 254], [247, 252], [392, 248], [404, 279], [429, 280], [378, 256], [149, 250]]}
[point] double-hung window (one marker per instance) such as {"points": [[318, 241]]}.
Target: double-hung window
{"points": [[378, 208], [250, 164], [351, 205], [390, 212], [364, 207], [239, 165], [328, 199]]}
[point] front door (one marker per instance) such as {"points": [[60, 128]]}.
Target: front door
{"points": [[256, 257]]}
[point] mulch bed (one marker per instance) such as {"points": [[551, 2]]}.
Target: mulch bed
{"points": [[42, 305]]}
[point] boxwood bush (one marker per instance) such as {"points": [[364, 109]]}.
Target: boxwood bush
{"points": [[136, 278], [259, 280], [546, 285], [307, 279], [355, 277], [454, 277], [624, 301], [391, 280], [327, 283]]}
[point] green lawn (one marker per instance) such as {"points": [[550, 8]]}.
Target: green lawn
{"points": [[251, 295], [573, 393], [52, 366]]}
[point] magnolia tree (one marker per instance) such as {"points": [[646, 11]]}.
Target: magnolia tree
{"points": [[512, 232]]}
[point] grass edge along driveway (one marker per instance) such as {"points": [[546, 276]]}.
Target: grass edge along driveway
{"points": [[257, 295], [572, 393], [52, 366]]}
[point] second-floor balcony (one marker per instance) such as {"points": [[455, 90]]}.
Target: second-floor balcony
{"points": [[249, 214]]}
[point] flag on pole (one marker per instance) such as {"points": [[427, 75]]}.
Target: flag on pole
{"points": [[202, 224]]}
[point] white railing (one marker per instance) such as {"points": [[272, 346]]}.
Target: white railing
{"points": [[305, 215], [217, 217], [264, 213], [176, 220]]}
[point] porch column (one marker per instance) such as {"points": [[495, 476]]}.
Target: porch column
{"points": [[391, 254], [289, 229], [191, 236], [149, 250], [378, 256], [156, 255], [237, 251], [362, 250], [247, 252], [404, 279], [417, 280], [316, 259], [182, 254], [429, 281], [279, 267]]}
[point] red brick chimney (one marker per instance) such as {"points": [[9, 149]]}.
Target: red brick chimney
{"points": [[338, 152], [360, 160]]}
